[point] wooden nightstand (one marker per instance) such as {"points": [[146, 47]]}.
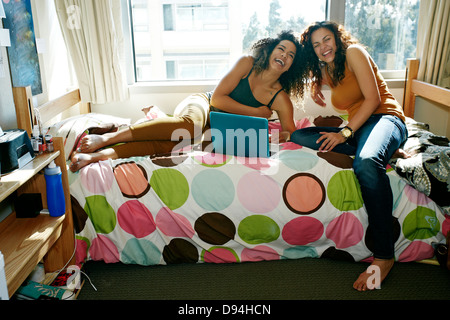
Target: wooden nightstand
{"points": [[24, 242]]}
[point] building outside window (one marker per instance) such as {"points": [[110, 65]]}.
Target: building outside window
{"points": [[201, 39]]}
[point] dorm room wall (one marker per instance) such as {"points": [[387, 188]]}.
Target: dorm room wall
{"points": [[436, 115]]}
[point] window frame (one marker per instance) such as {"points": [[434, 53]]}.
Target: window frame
{"points": [[334, 10]]}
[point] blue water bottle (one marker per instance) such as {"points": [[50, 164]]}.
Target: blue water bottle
{"points": [[55, 194]]}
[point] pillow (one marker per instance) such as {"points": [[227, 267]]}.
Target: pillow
{"points": [[73, 128]]}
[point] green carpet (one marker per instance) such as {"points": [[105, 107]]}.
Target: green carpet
{"points": [[302, 279]]}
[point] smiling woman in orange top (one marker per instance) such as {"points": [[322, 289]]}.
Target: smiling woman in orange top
{"points": [[374, 133]]}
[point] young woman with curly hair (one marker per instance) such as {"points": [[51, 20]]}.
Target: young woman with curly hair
{"points": [[257, 85], [374, 133]]}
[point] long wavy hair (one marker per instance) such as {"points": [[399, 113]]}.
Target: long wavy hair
{"points": [[343, 40], [293, 80]]}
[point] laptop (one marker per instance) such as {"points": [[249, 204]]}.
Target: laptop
{"points": [[239, 135]]}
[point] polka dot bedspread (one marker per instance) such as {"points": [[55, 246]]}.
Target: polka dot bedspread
{"points": [[197, 207]]}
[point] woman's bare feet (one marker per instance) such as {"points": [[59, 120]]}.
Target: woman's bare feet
{"points": [[374, 275], [80, 160], [92, 142]]}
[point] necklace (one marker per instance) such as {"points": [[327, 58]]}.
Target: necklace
{"points": [[330, 72]]}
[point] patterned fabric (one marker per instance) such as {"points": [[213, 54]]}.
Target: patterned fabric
{"points": [[197, 206], [428, 170]]}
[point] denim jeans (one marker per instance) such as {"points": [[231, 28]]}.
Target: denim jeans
{"points": [[373, 146]]}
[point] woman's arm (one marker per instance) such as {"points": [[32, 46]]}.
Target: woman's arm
{"points": [[359, 63], [221, 99], [285, 110]]}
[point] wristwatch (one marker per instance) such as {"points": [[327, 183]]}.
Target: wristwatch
{"points": [[346, 132]]}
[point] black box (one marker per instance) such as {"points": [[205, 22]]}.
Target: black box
{"points": [[15, 150], [28, 205]]}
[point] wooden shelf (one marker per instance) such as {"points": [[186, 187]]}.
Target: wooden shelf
{"points": [[7, 188], [24, 242], [13, 181]]}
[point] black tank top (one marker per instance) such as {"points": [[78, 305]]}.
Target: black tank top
{"points": [[243, 94]]}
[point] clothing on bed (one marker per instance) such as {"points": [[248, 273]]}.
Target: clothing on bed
{"points": [[428, 168]]}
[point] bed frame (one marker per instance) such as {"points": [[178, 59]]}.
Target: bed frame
{"points": [[416, 88], [26, 115]]}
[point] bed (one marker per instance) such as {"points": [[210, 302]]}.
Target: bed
{"points": [[194, 206]]}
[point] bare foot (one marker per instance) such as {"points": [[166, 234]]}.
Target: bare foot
{"points": [[80, 160], [92, 142], [374, 275]]}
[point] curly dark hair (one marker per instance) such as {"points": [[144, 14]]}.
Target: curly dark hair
{"points": [[343, 40], [293, 80]]}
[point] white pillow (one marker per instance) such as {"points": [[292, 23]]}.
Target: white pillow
{"points": [[71, 129]]}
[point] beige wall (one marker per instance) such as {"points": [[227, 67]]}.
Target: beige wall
{"points": [[436, 115]]}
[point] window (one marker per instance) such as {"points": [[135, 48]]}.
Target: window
{"points": [[201, 39], [388, 28], [200, 16], [195, 68]]}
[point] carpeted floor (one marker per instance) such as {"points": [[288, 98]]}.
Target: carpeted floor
{"points": [[303, 279]]}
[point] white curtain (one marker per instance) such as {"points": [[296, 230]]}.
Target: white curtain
{"points": [[92, 30], [433, 42]]}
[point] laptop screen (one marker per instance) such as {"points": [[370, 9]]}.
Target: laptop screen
{"points": [[239, 135]]}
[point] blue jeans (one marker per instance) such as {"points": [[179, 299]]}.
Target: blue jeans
{"points": [[373, 146]]}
